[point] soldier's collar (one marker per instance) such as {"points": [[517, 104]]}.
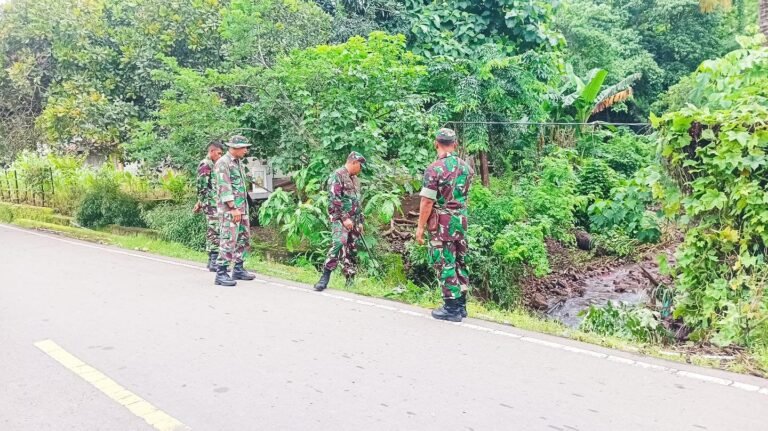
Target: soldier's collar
{"points": [[442, 156]]}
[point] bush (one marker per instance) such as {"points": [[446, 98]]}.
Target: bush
{"points": [[104, 204], [596, 179], [178, 223], [623, 151], [627, 211], [716, 149], [522, 245], [624, 321]]}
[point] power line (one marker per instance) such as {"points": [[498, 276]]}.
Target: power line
{"points": [[535, 123]]}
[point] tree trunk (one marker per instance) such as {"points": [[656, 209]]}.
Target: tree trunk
{"points": [[764, 17], [484, 177]]}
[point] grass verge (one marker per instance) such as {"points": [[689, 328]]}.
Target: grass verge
{"points": [[755, 363]]}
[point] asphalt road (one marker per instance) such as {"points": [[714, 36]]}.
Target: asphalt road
{"points": [[272, 355]]}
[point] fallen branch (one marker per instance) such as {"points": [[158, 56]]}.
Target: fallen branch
{"points": [[650, 277], [405, 221]]}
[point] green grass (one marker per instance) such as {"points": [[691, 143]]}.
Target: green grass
{"points": [[9, 212], [756, 363]]}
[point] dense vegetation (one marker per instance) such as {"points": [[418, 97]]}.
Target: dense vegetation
{"points": [[150, 82]]}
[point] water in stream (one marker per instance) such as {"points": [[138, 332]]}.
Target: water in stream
{"points": [[620, 285]]}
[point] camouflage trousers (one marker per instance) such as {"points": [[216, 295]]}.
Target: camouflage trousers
{"points": [[234, 239], [343, 249], [212, 233], [448, 260]]}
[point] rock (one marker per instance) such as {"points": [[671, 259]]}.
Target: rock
{"points": [[540, 301]]}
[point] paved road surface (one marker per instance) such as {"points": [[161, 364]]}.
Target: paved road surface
{"points": [[270, 355]]}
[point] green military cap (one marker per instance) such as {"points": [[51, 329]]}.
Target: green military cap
{"points": [[354, 156], [446, 136], [238, 141]]}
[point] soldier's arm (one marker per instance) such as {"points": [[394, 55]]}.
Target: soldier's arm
{"points": [[224, 184], [335, 204], [203, 174], [428, 195]]}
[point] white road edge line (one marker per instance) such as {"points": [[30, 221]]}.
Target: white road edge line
{"points": [[528, 339], [141, 408]]}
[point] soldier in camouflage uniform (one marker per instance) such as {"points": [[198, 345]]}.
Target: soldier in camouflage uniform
{"points": [[346, 214], [235, 233], [207, 201], [444, 190]]}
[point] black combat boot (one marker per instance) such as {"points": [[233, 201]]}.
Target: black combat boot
{"points": [[223, 278], [239, 273], [212, 257], [451, 311], [463, 304], [322, 284]]}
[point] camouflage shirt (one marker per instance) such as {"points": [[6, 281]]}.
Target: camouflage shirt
{"points": [[207, 194], [345, 200], [447, 181], [232, 183]]}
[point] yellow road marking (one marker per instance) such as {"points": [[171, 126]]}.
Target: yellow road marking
{"points": [[157, 418]]}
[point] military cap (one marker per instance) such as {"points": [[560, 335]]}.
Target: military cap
{"points": [[238, 141], [354, 156], [446, 136]]}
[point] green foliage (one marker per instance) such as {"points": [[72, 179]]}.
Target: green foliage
{"points": [[104, 204], [457, 28], [596, 179], [256, 32], [178, 185], [633, 323], [520, 244], [303, 224], [551, 198], [627, 211], [361, 17], [601, 34], [177, 223], [715, 147], [614, 242], [577, 99], [361, 95], [662, 40], [493, 88]]}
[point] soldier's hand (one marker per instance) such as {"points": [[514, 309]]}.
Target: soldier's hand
{"points": [[349, 224], [197, 207], [420, 235], [236, 215]]}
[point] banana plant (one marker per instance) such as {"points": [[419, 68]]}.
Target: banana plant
{"points": [[578, 99]]}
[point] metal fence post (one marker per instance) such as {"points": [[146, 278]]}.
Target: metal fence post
{"points": [[16, 181]]}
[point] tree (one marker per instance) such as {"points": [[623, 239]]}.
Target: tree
{"points": [[599, 35], [456, 28], [256, 32], [477, 94], [763, 11]]}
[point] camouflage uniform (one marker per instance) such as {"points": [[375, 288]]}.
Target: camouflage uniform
{"points": [[235, 238], [447, 181], [344, 203], [207, 195]]}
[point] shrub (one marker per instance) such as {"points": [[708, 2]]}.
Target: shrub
{"points": [[716, 149], [627, 211], [523, 245], [104, 204], [634, 323], [596, 179], [177, 223]]}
